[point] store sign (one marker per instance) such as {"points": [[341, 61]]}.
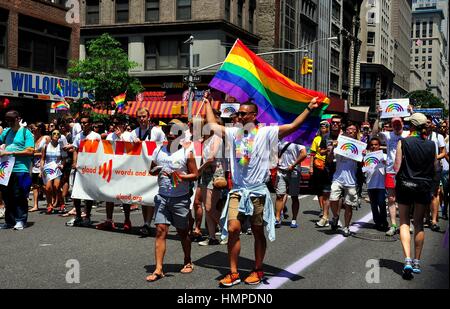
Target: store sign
{"points": [[38, 86]]}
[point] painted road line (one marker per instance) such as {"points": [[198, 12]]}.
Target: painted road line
{"points": [[286, 275]]}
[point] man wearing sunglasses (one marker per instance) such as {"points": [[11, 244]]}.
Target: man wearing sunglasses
{"points": [[251, 154], [19, 143]]}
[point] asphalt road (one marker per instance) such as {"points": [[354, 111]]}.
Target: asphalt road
{"points": [[40, 257]]}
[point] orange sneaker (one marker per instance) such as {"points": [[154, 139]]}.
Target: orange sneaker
{"points": [[255, 277], [106, 226], [127, 226], [230, 280]]}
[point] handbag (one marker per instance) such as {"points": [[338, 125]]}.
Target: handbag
{"points": [[319, 164], [219, 180]]}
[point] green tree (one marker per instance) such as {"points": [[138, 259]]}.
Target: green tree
{"points": [[425, 99], [105, 71]]}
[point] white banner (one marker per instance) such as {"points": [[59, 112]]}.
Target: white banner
{"points": [[6, 167], [116, 172], [372, 159], [350, 148], [394, 108], [50, 172]]}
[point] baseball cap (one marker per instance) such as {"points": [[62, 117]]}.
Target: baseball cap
{"points": [[417, 119]]}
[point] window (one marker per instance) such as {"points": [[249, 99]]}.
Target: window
{"points": [[251, 15], [416, 59], [430, 66], [122, 8], [424, 58], [430, 29], [336, 11], [417, 51], [370, 56], [430, 58], [166, 53], [424, 29], [240, 12], [123, 43], [430, 50], [371, 38], [43, 46], [151, 10], [371, 18], [92, 12], [424, 50], [183, 9], [429, 74], [228, 10]]}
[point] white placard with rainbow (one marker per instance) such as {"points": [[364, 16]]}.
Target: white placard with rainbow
{"points": [[394, 108], [50, 172], [372, 159], [350, 148], [6, 167]]}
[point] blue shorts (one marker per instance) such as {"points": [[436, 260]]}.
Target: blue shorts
{"points": [[172, 211]]}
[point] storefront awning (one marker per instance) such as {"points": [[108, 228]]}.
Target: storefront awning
{"points": [[167, 109]]}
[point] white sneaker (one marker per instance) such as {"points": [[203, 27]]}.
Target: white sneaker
{"points": [[224, 241], [322, 222], [19, 226], [2, 213]]}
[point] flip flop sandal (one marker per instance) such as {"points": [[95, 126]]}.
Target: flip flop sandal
{"points": [[187, 269], [154, 277]]}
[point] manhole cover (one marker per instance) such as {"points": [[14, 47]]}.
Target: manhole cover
{"points": [[375, 237]]}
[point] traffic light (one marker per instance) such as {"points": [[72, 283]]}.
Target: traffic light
{"points": [[304, 64], [309, 66]]}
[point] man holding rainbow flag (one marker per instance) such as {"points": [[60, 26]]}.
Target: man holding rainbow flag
{"points": [[253, 147]]}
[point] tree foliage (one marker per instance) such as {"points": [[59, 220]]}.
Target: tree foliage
{"points": [[105, 70], [425, 99]]}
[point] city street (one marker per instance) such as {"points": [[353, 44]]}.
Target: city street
{"points": [[303, 258]]}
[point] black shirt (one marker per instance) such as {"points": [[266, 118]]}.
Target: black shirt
{"points": [[418, 160]]}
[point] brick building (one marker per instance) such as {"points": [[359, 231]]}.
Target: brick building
{"points": [[37, 41]]}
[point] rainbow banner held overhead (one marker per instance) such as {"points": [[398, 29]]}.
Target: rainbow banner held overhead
{"points": [[120, 100], [280, 100]]}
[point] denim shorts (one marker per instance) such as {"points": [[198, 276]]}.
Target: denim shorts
{"points": [[172, 211]]}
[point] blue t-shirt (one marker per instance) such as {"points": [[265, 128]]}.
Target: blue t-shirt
{"points": [[18, 141]]}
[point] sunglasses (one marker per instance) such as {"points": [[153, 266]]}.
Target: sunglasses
{"points": [[84, 122], [243, 114], [335, 122], [56, 133]]}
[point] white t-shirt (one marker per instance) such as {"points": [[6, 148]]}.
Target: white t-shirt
{"points": [[81, 137], [257, 171], [76, 129], [176, 161], [156, 134], [345, 173], [37, 160], [445, 166], [125, 137], [438, 140], [290, 155], [391, 143], [54, 154], [375, 177]]}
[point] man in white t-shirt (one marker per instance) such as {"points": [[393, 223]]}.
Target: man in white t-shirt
{"points": [[119, 134], [288, 179], [344, 185], [391, 139], [251, 153], [146, 132], [438, 140], [85, 134]]}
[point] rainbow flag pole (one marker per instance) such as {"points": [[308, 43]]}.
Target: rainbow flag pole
{"points": [[245, 76], [120, 100]]}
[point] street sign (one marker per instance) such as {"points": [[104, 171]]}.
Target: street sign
{"points": [[195, 78]]}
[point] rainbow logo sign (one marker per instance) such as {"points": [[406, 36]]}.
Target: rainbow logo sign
{"points": [[371, 161], [49, 171], [229, 110], [394, 107], [3, 166], [350, 147]]}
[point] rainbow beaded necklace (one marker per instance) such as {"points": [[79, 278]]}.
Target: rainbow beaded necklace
{"points": [[244, 145]]}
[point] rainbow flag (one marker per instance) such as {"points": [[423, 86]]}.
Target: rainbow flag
{"points": [[175, 179], [59, 90], [60, 106], [244, 75], [120, 100]]}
